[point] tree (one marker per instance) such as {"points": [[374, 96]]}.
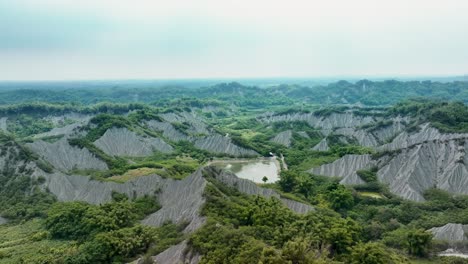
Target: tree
{"points": [[287, 180], [340, 197], [418, 242], [264, 179], [373, 253]]}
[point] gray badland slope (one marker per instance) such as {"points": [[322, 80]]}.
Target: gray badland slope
{"points": [[363, 137], [222, 144], [62, 128], [421, 161], [426, 133], [283, 138], [347, 124], [197, 126], [329, 122], [182, 253], [181, 200], [65, 157], [123, 142], [60, 131], [451, 232], [168, 131], [322, 146], [344, 168], [3, 124], [198, 133]]}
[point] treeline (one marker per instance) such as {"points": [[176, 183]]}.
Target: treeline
{"points": [[446, 116], [377, 93], [370, 93]]}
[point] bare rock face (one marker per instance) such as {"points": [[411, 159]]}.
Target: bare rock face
{"points": [[345, 168], [60, 131], [322, 146], [433, 164], [65, 157], [450, 232], [303, 134], [411, 170], [180, 200], [283, 138], [363, 137], [3, 124], [58, 120], [221, 144], [332, 121], [3, 220], [197, 126], [168, 131], [426, 133], [180, 253], [123, 142], [388, 132]]}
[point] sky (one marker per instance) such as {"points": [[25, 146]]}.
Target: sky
{"points": [[172, 39]]}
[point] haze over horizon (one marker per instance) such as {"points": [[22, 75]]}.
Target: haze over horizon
{"points": [[71, 40]]}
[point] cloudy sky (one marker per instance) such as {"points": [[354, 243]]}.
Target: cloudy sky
{"points": [[117, 39]]}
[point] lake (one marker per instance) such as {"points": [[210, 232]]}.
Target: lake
{"points": [[253, 170]]}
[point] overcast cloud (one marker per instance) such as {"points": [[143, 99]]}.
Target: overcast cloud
{"points": [[69, 39]]}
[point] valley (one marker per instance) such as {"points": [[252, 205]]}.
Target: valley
{"points": [[235, 174]]}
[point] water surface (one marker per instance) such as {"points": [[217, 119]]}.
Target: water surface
{"points": [[253, 170]]}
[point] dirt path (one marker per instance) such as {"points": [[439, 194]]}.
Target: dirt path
{"points": [[285, 166]]}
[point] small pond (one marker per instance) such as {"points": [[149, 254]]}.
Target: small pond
{"points": [[253, 170]]}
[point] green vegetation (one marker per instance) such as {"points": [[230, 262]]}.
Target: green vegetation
{"points": [[246, 229], [77, 232], [351, 224], [372, 93], [449, 117]]}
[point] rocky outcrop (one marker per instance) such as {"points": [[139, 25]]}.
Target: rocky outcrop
{"points": [[65, 157], [345, 168], [388, 132], [181, 201], [450, 232], [332, 121], [197, 126], [60, 131], [214, 143], [123, 142], [425, 134], [322, 146], [222, 144], [283, 138], [3, 124], [180, 254], [3, 220], [303, 134], [411, 171], [362, 137], [59, 120], [168, 131]]}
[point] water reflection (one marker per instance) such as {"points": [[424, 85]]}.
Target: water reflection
{"points": [[253, 170]]}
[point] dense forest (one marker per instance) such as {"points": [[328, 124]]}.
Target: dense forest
{"points": [[364, 92]]}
